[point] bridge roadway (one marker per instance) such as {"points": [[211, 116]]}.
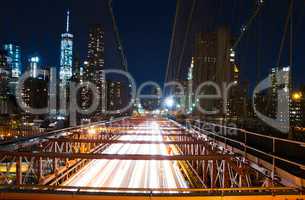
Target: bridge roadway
{"points": [[131, 173], [126, 179]]}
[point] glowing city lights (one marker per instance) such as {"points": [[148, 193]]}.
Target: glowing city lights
{"points": [[169, 102], [296, 96]]}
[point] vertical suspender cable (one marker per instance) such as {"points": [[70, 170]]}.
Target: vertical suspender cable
{"points": [[288, 18], [258, 52], [117, 36], [168, 68], [188, 29], [291, 34], [247, 26]]}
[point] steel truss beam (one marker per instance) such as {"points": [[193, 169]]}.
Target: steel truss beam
{"points": [[112, 156], [68, 140], [149, 134], [141, 128], [212, 165]]}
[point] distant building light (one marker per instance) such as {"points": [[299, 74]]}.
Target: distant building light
{"points": [[260, 2], [35, 59], [236, 70], [296, 96], [286, 89], [60, 118], [243, 28], [169, 102], [232, 54]]}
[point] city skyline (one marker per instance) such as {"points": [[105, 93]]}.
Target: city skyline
{"points": [[212, 51], [162, 99], [48, 46], [154, 61], [66, 53]]}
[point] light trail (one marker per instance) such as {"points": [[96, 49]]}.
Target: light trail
{"points": [[131, 173]]}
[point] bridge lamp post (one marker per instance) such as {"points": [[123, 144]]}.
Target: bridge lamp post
{"points": [[169, 102]]}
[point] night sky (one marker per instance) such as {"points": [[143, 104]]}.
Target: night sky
{"points": [[265, 32], [145, 27]]}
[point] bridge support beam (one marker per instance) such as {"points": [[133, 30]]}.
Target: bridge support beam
{"points": [[40, 170], [19, 170]]}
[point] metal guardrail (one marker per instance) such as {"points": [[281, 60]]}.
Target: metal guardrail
{"points": [[258, 134], [149, 190], [36, 138], [246, 190], [245, 145]]}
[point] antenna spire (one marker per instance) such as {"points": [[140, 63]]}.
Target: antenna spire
{"points": [[68, 21]]}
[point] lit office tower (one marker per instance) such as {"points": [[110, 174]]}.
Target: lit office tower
{"points": [[214, 60], [4, 74], [14, 65], [14, 59], [4, 80], [66, 54], [95, 53], [114, 96], [94, 69], [280, 74], [33, 66]]}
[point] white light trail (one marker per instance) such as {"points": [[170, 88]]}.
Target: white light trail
{"points": [[132, 173]]}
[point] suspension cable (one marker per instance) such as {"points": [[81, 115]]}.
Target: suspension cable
{"points": [[118, 38], [285, 33], [291, 35], [288, 18], [186, 36], [245, 28], [172, 41]]}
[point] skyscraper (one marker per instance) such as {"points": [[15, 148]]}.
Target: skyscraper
{"points": [[77, 69], [114, 96], [277, 74], [14, 64], [95, 63], [214, 60], [189, 99], [4, 80], [296, 111], [3, 60], [66, 55], [14, 59], [95, 56], [35, 93], [33, 66]]}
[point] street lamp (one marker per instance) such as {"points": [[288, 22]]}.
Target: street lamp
{"points": [[169, 102], [296, 96]]}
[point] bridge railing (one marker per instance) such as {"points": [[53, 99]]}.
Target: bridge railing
{"points": [[187, 191], [280, 153], [21, 142], [28, 167]]}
